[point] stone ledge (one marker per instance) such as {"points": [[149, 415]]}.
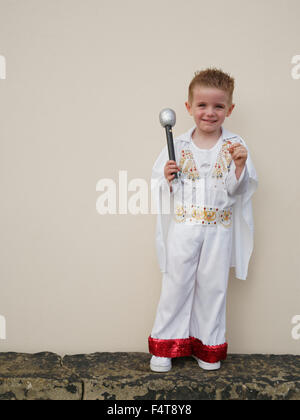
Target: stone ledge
{"points": [[127, 376]]}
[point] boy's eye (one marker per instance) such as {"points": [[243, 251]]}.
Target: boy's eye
{"points": [[218, 106]]}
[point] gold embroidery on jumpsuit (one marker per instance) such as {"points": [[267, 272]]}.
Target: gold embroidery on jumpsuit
{"points": [[187, 165], [200, 214], [208, 216], [223, 161]]}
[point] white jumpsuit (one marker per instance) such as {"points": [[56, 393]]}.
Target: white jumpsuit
{"points": [[191, 314]]}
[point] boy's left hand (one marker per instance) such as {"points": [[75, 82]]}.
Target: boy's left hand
{"points": [[239, 154]]}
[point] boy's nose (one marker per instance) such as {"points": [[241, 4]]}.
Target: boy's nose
{"points": [[210, 112]]}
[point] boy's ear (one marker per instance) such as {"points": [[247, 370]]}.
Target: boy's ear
{"points": [[230, 110], [188, 107]]}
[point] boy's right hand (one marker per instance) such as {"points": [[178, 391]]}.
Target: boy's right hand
{"points": [[170, 168]]}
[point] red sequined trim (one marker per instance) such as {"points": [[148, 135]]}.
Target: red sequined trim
{"points": [[170, 348], [187, 347], [209, 354]]}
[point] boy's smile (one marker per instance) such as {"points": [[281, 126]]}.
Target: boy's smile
{"points": [[209, 109]]}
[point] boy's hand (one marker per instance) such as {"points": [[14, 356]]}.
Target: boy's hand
{"points": [[170, 168], [239, 154]]}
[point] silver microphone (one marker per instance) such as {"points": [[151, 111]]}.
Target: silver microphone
{"points": [[167, 118]]}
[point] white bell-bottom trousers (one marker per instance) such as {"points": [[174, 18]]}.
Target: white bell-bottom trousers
{"points": [[191, 314]]}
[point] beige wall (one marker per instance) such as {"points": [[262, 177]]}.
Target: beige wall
{"points": [[85, 81]]}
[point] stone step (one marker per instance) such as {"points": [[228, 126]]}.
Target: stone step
{"points": [[127, 376]]}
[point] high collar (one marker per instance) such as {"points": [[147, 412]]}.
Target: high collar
{"points": [[226, 135]]}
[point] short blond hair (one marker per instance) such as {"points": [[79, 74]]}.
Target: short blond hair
{"points": [[212, 77]]}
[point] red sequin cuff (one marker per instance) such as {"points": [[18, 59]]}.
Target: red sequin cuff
{"points": [[170, 348], [187, 347], [209, 354]]}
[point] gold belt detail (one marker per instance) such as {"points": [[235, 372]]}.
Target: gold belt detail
{"points": [[202, 215]]}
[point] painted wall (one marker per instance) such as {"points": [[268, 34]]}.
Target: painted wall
{"points": [[82, 84]]}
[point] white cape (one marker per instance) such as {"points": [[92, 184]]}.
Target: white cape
{"points": [[243, 225]]}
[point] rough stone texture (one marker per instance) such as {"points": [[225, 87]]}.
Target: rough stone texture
{"points": [[127, 376], [39, 376]]}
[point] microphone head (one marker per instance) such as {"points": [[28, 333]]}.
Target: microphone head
{"points": [[167, 117]]}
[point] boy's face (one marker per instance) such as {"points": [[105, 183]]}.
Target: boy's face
{"points": [[209, 108]]}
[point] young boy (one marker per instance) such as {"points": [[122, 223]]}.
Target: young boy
{"points": [[209, 229]]}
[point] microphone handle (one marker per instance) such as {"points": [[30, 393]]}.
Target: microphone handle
{"points": [[171, 145]]}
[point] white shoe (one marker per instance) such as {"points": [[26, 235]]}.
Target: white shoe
{"points": [[160, 364], [207, 366]]}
